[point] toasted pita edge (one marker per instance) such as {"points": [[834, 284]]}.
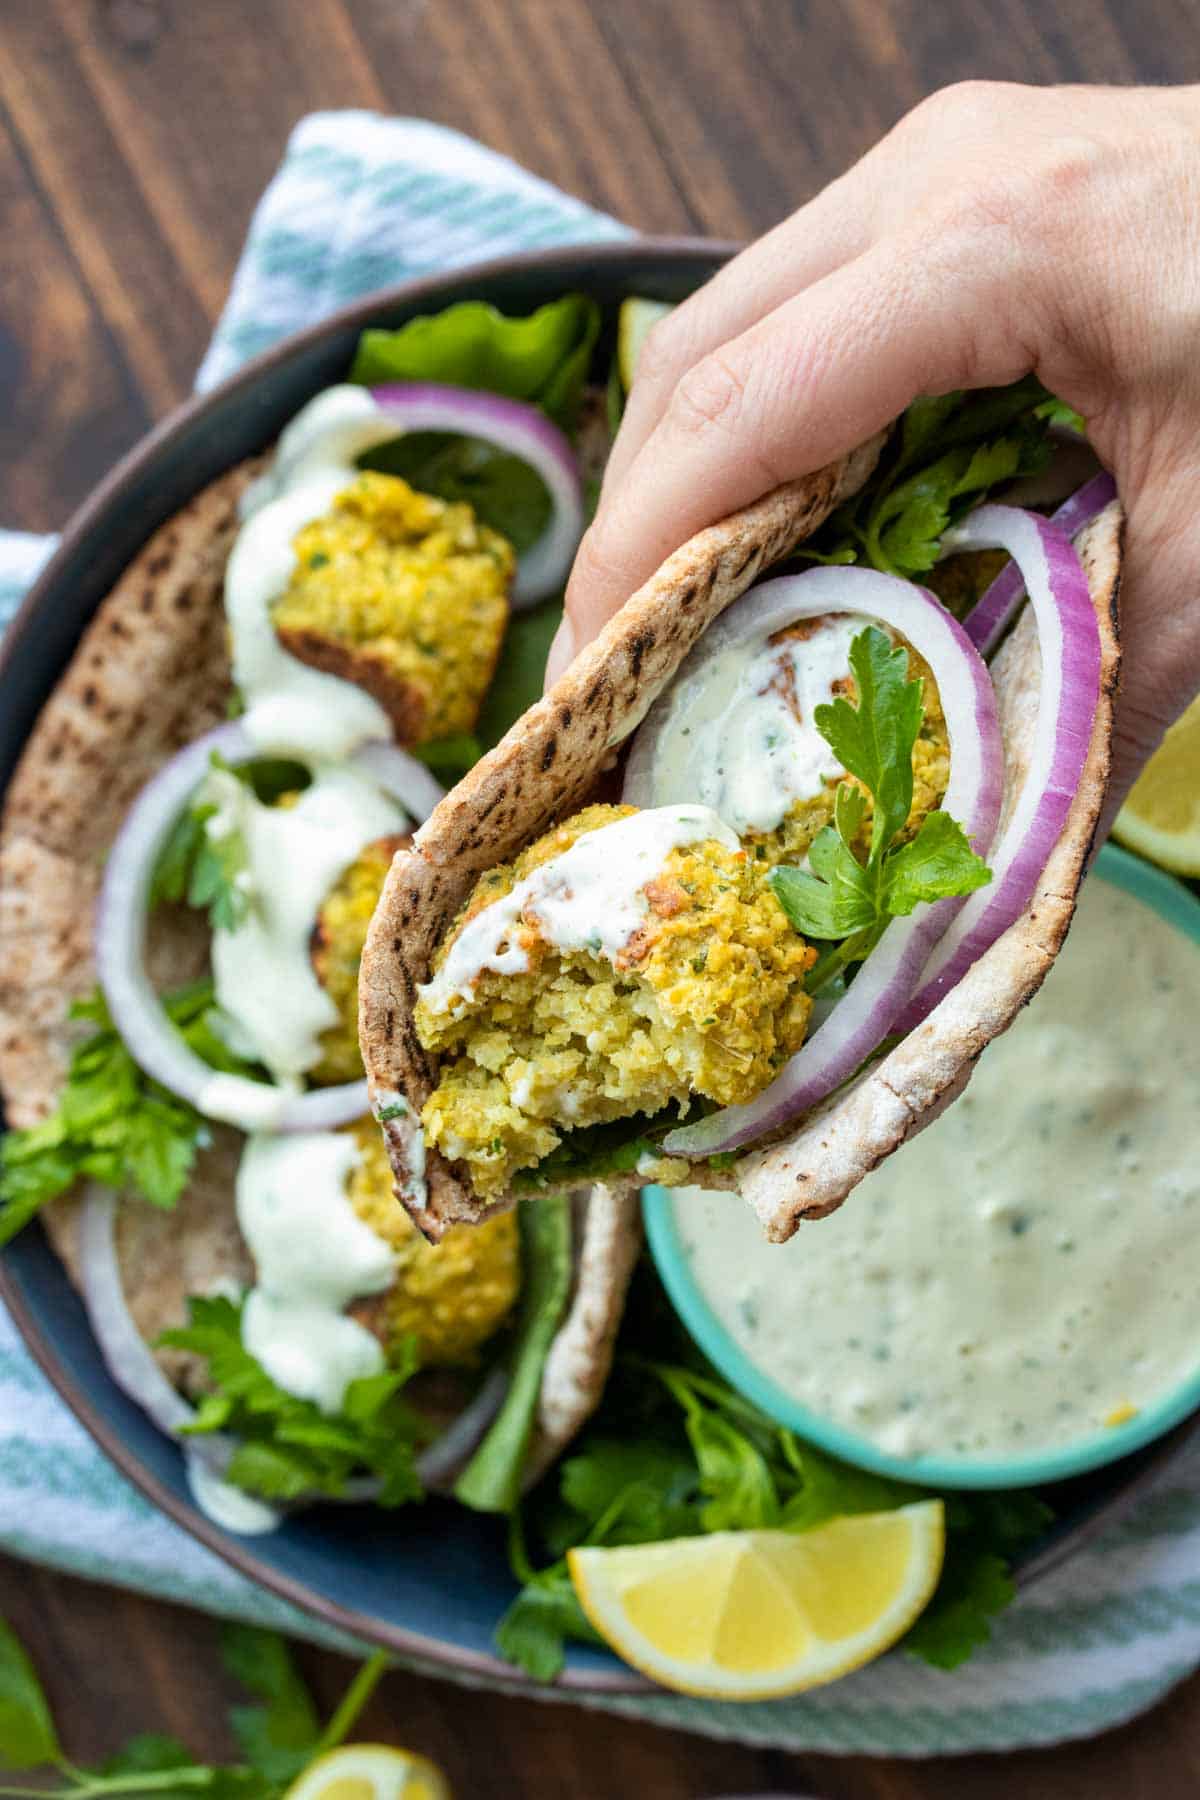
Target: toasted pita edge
{"points": [[540, 772], [810, 1173]]}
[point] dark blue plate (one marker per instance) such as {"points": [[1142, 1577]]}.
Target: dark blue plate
{"points": [[431, 1581]]}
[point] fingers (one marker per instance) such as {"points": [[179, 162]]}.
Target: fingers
{"points": [[803, 386], [832, 229], [1160, 644]]}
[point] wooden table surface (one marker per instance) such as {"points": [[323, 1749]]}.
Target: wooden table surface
{"points": [[135, 136]]}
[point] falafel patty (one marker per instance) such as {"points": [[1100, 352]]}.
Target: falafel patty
{"points": [[706, 998], [337, 947], [452, 1296], [405, 595]]}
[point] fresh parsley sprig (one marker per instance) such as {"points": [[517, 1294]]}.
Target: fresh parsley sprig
{"points": [[288, 1449], [206, 872], [841, 900], [279, 1737], [112, 1122], [950, 452], [697, 1457]]}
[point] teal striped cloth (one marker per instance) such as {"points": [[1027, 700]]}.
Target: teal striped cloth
{"points": [[360, 201]]}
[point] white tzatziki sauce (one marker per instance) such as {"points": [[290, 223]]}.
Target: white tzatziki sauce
{"points": [[1026, 1272], [313, 1255], [589, 898], [226, 1505], [739, 734], [396, 1116], [263, 977], [290, 706]]}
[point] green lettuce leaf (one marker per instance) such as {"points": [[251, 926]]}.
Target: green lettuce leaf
{"points": [[543, 357], [491, 1481]]}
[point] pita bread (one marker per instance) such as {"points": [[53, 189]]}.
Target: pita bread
{"points": [[150, 675], [545, 767], [542, 771]]}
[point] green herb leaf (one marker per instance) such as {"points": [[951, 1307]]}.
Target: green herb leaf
{"points": [[27, 1735], [543, 357], [491, 1481], [112, 1122], [841, 900], [502, 491], [938, 862], [973, 1589], [533, 1632], [148, 1754], [875, 738], [277, 1739], [949, 453], [835, 900], [288, 1448]]}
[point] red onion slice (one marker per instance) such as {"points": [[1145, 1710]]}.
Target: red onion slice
{"points": [[884, 982], [527, 433], [121, 916], [137, 1372], [1069, 639], [988, 619]]}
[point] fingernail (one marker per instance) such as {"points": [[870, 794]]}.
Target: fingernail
{"points": [[562, 653]]}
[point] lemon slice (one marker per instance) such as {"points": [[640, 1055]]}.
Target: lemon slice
{"points": [[634, 322], [370, 1772], [751, 1615], [1161, 818]]}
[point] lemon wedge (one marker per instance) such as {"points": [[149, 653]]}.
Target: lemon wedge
{"points": [[634, 323], [1161, 818], [752, 1615], [370, 1772]]}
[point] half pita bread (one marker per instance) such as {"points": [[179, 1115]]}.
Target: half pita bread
{"points": [[150, 675], [552, 758]]}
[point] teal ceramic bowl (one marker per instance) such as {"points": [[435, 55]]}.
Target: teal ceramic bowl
{"points": [[1180, 908]]}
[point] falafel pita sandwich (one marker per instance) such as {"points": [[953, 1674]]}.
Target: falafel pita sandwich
{"points": [[741, 900], [190, 851]]}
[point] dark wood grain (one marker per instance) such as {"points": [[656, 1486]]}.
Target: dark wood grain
{"points": [[135, 136]]}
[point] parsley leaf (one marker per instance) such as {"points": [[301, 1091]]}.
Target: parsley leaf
{"points": [[840, 899], [288, 1448], [674, 1452], [27, 1735], [949, 453], [938, 861], [545, 1614], [112, 1122], [203, 871], [279, 1737]]}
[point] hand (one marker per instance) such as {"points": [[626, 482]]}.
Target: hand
{"points": [[995, 232]]}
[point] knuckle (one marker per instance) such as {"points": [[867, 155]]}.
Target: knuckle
{"points": [[961, 103], [711, 393]]}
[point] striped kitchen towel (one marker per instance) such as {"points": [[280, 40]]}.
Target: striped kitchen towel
{"points": [[358, 202]]}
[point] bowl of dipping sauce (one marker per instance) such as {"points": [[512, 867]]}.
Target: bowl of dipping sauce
{"points": [[1014, 1298]]}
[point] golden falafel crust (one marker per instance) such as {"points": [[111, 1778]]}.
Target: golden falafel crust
{"points": [[453, 1296], [337, 946], [707, 997], [405, 595]]}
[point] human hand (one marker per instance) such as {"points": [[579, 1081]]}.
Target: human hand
{"points": [[996, 231]]}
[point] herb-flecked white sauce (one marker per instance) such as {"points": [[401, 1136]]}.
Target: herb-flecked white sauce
{"points": [[1026, 1272], [741, 736]]}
